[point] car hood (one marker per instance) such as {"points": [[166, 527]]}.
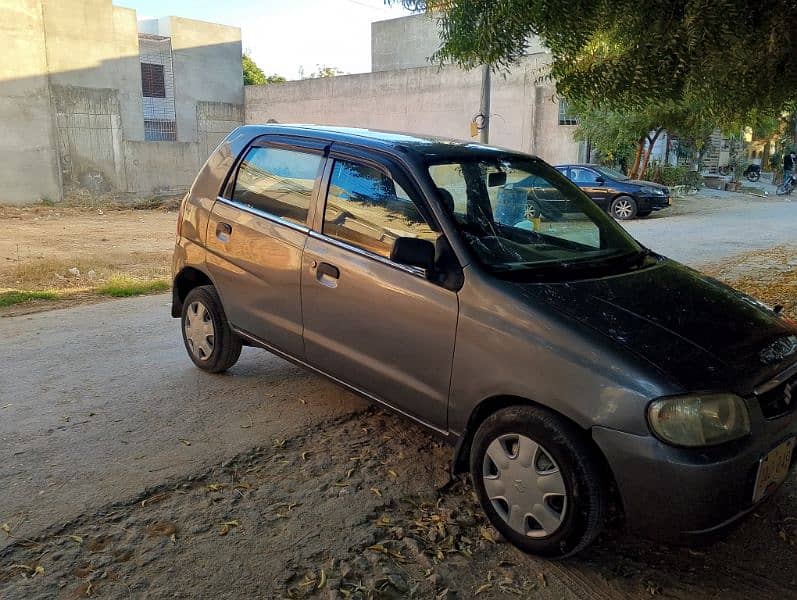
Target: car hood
{"points": [[697, 331], [650, 184]]}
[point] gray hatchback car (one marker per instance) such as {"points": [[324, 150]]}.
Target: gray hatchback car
{"points": [[570, 367]]}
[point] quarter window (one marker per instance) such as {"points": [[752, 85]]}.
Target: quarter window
{"points": [[368, 209], [279, 182]]}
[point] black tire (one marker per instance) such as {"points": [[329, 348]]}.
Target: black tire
{"points": [[753, 176], [226, 345], [623, 208], [586, 506], [643, 213]]}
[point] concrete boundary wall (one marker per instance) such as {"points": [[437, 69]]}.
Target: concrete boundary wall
{"points": [[426, 100], [71, 101]]}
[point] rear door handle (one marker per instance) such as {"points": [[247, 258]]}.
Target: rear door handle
{"points": [[223, 231], [327, 275]]}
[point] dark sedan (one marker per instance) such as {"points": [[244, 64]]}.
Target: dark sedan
{"points": [[619, 195]]}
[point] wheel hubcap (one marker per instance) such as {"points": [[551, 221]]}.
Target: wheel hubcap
{"points": [[524, 485], [199, 331], [623, 209]]}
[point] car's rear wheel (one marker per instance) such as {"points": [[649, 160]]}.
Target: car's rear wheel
{"points": [[538, 481], [210, 341], [623, 208]]}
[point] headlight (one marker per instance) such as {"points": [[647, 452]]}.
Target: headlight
{"points": [[651, 191], [699, 420]]}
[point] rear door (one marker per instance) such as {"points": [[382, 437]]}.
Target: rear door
{"points": [[256, 234], [381, 327]]}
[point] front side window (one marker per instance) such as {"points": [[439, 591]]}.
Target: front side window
{"points": [[368, 209], [279, 182], [517, 214], [581, 175]]}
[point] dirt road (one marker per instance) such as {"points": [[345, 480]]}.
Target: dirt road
{"points": [[125, 465], [127, 473], [714, 225]]}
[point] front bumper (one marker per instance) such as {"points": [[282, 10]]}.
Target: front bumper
{"points": [[686, 495], [652, 202]]}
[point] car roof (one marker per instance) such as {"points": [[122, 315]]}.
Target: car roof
{"points": [[587, 165], [425, 145]]}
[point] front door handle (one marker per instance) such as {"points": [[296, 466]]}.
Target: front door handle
{"points": [[327, 274], [329, 270], [223, 231]]}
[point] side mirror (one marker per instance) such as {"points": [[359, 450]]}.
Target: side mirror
{"points": [[413, 252], [600, 180], [496, 179]]}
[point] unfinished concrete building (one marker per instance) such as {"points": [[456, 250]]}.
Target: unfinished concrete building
{"points": [[406, 92], [93, 99]]}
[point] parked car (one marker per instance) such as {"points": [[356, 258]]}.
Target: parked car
{"points": [[619, 195], [570, 367]]}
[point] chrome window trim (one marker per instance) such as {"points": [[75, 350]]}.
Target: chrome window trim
{"points": [[417, 271], [777, 380], [266, 215]]}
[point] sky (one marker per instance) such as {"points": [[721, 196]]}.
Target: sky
{"points": [[286, 36]]}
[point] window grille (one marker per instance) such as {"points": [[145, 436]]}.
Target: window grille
{"points": [[565, 118], [157, 88], [153, 82]]}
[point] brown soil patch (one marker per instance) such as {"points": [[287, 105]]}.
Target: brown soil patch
{"points": [[767, 275], [73, 250]]}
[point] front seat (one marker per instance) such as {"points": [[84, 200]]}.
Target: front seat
{"points": [[446, 199]]}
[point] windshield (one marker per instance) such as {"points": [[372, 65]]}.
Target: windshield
{"points": [[517, 213], [612, 173]]}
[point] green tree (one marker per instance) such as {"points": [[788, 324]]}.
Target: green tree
{"points": [[627, 54], [631, 133], [325, 71], [254, 75]]}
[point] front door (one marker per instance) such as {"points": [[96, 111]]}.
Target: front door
{"points": [[255, 238], [593, 184], [381, 327]]}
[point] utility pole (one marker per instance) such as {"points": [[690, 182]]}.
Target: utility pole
{"points": [[484, 109]]}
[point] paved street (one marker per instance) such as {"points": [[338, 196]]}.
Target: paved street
{"points": [[100, 401], [715, 225]]}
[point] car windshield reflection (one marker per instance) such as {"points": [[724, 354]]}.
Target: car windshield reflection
{"points": [[517, 213]]}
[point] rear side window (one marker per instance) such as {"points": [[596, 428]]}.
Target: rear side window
{"points": [[279, 182], [368, 209]]}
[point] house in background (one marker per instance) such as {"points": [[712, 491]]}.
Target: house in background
{"points": [[405, 92], [93, 99]]}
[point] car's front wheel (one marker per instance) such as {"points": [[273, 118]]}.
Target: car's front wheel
{"points": [[210, 341], [623, 208], [538, 481]]}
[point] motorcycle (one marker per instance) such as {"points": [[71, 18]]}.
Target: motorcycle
{"points": [[752, 171]]}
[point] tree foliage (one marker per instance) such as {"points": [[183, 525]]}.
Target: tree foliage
{"points": [[631, 134], [254, 75], [735, 56], [325, 71]]}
